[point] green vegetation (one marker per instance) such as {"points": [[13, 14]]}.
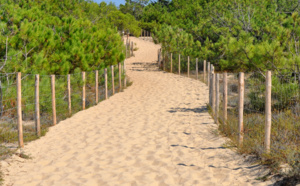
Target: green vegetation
{"points": [[69, 36], [285, 133], [234, 35], [58, 37]]}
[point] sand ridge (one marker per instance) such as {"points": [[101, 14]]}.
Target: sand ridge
{"points": [[156, 132]]}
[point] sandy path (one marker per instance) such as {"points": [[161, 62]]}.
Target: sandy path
{"points": [[156, 132]]}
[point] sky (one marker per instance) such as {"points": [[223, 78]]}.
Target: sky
{"points": [[117, 2]]}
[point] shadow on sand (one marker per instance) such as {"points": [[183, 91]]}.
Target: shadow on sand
{"points": [[202, 109]]}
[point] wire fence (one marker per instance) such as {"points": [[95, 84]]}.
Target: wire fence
{"points": [[239, 103], [73, 93]]}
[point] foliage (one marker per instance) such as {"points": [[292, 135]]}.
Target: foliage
{"points": [[233, 35], [134, 7], [58, 37]]}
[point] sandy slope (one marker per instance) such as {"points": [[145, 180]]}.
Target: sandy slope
{"points": [[157, 132]]}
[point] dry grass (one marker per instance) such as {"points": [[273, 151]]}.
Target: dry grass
{"points": [[285, 139]]}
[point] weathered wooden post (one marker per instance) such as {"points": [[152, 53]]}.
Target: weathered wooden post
{"points": [[120, 77], [83, 91], [158, 57], [19, 110], [204, 71], [210, 90], [225, 98], [197, 68], [188, 66], [113, 79], [125, 78], [208, 74], [268, 113], [171, 62], [69, 95], [147, 34], [126, 50], [105, 79], [217, 99], [164, 61], [1, 100], [53, 99], [241, 108], [37, 106], [131, 48], [211, 86], [213, 91], [96, 86], [179, 64]]}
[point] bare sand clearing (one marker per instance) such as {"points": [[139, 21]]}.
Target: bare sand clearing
{"points": [[156, 132]]}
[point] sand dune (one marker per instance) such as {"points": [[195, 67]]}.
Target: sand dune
{"points": [[156, 132]]}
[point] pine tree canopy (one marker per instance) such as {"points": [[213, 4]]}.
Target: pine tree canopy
{"points": [[60, 36], [235, 35]]}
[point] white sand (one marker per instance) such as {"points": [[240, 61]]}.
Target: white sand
{"points": [[156, 132]]}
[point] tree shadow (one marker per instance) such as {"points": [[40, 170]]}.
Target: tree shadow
{"points": [[144, 66], [202, 109], [207, 148]]}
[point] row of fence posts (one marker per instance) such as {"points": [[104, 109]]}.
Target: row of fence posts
{"points": [[145, 34], [37, 90], [129, 46], [161, 64], [214, 101], [212, 81]]}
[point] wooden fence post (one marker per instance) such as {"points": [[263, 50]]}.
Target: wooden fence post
{"points": [[268, 112], [120, 77], [96, 87], [1, 100], [164, 61], [37, 106], [113, 79], [204, 71], [210, 90], [211, 86], [131, 48], [188, 66], [19, 110], [69, 95], [208, 74], [105, 78], [158, 57], [53, 99], [126, 50], [197, 68], [179, 64], [83, 91], [213, 89], [124, 71], [171, 62], [225, 98], [217, 99], [241, 108]]}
